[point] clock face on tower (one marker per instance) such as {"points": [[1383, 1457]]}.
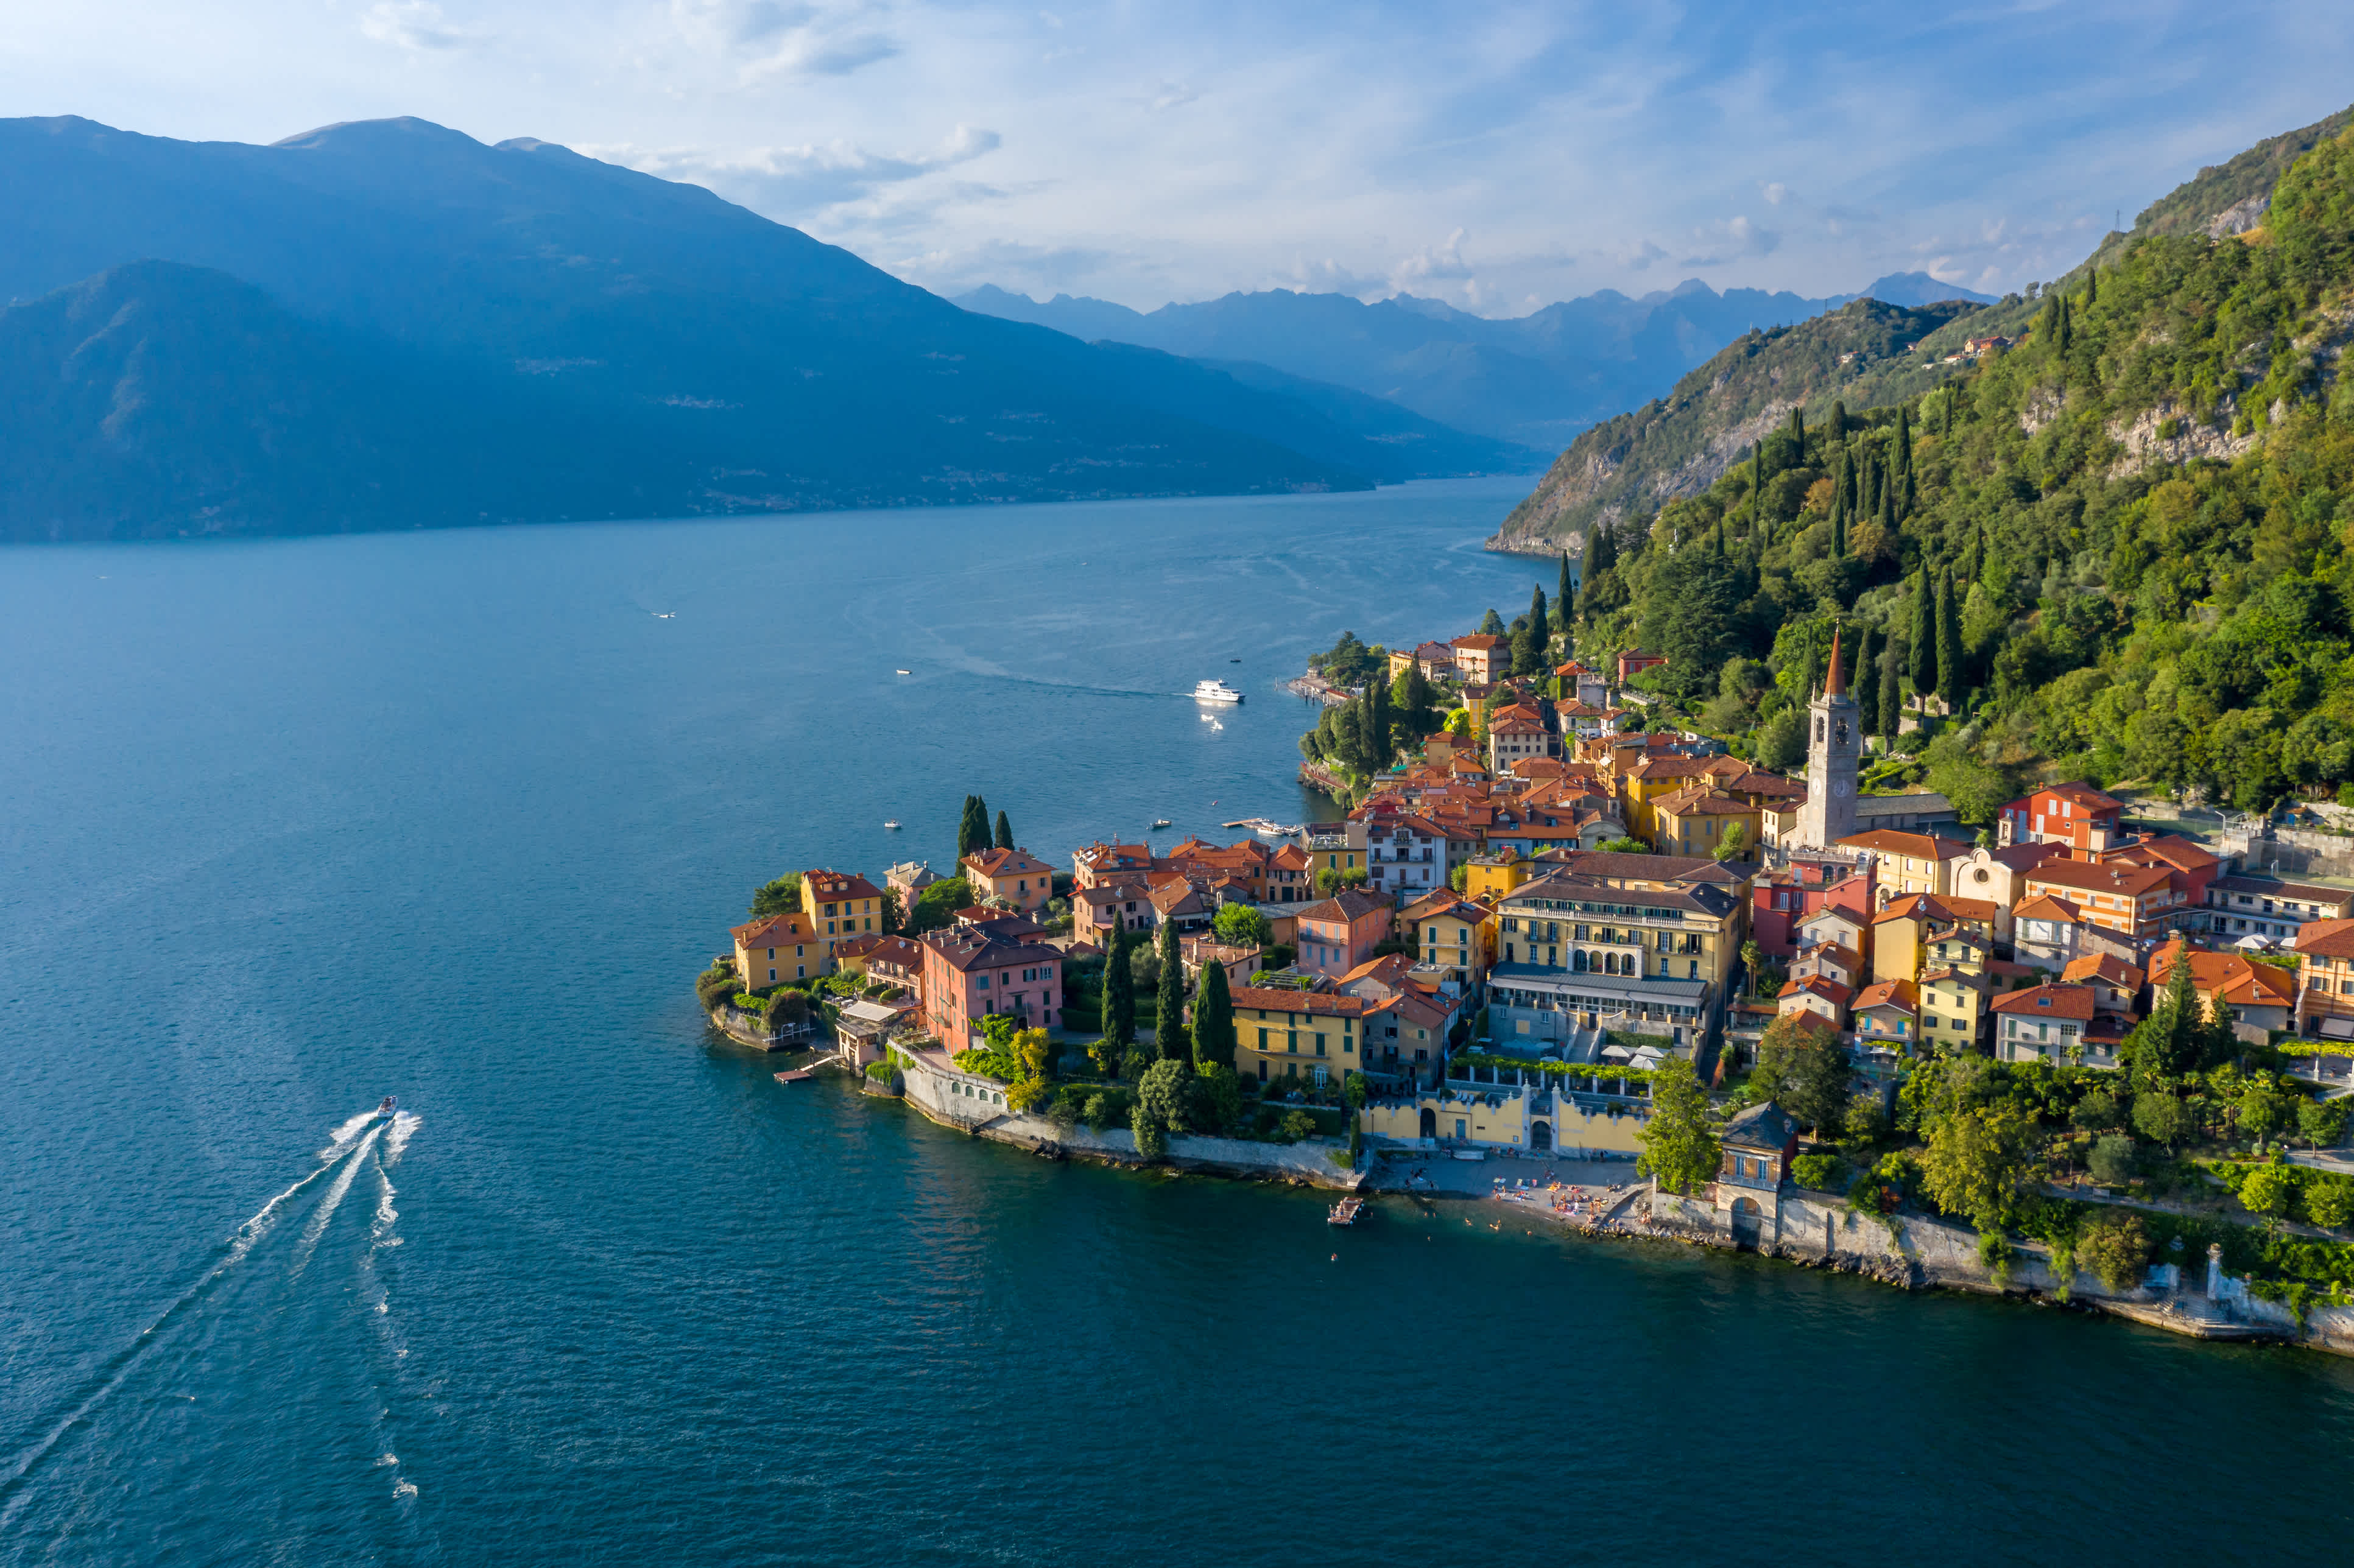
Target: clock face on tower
{"points": [[1838, 786]]}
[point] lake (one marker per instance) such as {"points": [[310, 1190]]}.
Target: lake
{"points": [[457, 816]]}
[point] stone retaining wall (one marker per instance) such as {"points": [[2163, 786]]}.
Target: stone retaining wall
{"points": [[1908, 1250], [925, 1086]]}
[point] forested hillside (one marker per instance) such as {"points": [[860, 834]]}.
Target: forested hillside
{"points": [[2118, 549]]}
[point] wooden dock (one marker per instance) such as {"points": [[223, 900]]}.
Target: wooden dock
{"points": [[1345, 1212]]}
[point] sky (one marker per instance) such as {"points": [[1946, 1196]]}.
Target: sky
{"points": [[1496, 156]]}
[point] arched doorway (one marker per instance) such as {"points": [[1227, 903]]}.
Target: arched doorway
{"points": [[1748, 1219], [1539, 1135], [1429, 1122]]}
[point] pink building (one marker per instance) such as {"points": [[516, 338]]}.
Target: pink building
{"points": [[969, 973], [1342, 932]]}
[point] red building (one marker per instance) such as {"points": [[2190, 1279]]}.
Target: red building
{"points": [[1780, 900], [971, 971], [1342, 932], [1633, 664], [2076, 815]]}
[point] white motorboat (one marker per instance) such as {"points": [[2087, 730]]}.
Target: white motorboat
{"points": [[386, 1110], [893, 825], [1216, 692]]}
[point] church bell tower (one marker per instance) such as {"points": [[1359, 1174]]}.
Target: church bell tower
{"points": [[1832, 743]]}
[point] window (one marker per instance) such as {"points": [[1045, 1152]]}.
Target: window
{"points": [[980, 984]]}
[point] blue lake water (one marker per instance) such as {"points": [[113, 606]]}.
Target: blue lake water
{"points": [[289, 826]]}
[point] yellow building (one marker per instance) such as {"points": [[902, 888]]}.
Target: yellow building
{"points": [[1698, 819], [1489, 878], [1447, 928], [1339, 848], [1900, 934], [1910, 862], [1309, 1034], [779, 949], [840, 905], [1953, 1008], [1644, 782]]}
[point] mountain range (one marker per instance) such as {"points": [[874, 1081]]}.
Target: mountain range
{"points": [[1862, 355], [390, 324], [1536, 379]]}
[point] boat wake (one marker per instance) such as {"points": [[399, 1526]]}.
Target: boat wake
{"points": [[349, 1147]]}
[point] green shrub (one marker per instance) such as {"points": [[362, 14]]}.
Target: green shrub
{"points": [[713, 986], [1151, 1141], [1295, 1125], [1000, 1066], [2114, 1247], [1817, 1172], [2112, 1162]]}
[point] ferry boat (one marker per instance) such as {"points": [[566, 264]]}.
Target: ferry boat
{"points": [[1216, 692]]}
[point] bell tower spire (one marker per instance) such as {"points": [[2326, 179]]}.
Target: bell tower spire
{"points": [[1834, 739]]}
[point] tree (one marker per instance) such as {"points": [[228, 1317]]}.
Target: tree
{"points": [[1164, 1094], [1975, 1163], [2268, 1191], [1892, 695], [1119, 991], [937, 905], [2261, 1113], [2319, 1122], [1168, 1013], [1218, 1097], [1242, 926], [2330, 1204], [782, 896], [1213, 1018], [2112, 1162], [1565, 595], [1528, 654], [1035, 1050], [1491, 624], [1859, 677], [895, 913], [2115, 1249], [1804, 1072], [1004, 831], [2161, 1117], [1735, 842], [1151, 1137], [1622, 846], [1752, 960], [1922, 643], [1950, 685], [1680, 1143], [1540, 628], [2178, 1037], [972, 832], [1412, 695]]}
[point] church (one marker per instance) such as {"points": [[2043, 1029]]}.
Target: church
{"points": [[1834, 808]]}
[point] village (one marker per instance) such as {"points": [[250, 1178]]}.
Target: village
{"points": [[1511, 937]]}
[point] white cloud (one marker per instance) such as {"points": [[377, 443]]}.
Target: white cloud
{"points": [[793, 182], [784, 39], [416, 25], [1775, 193]]}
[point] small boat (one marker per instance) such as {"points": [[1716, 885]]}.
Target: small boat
{"points": [[903, 671], [1159, 822], [894, 826], [389, 1106], [1234, 660], [1345, 1212], [1216, 692], [795, 1074]]}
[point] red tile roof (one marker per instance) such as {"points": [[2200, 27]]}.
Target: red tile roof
{"points": [[2073, 1002]]}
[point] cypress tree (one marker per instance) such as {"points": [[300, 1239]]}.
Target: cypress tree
{"points": [[1377, 724], [1798, 428], [1858, 674], [1843, 483], [2092, 287], [972, 832], [1168, 1010], [1924, 641], [1214, 1019], [1949, 643], [1838, 534], [1888, 511], [2067, 332], [1839, 421], [1565, 597], [1119, 991], [1953, 390], [1539, 627], [1891, 695], [1004, 831], [1904, 444], [1867, 481]]}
